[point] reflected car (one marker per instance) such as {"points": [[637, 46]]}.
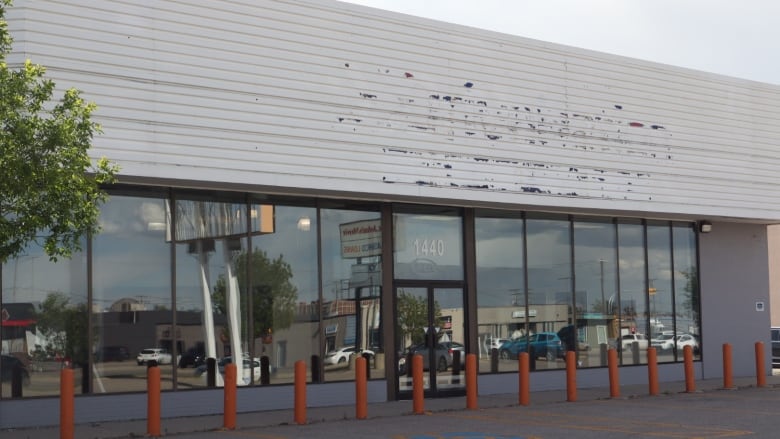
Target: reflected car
{"points": [[683, 340], [193, 357], [250, 367], [160, 355], [340, 355], [453, 346], [544, 344], [663, 342], [627, 341], [443, 360], [7, 365]]}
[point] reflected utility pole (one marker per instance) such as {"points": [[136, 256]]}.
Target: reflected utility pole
{"points": [[603, 303]]}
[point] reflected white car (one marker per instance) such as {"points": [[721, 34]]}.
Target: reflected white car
{"points": [[627, 341], [664, 342], [160, 355], [683, 340], [340, 355]]}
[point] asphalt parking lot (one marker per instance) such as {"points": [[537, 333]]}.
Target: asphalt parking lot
{"points": [[709, 412]]}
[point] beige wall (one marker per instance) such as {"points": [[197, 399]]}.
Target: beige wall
{"points": [[773, 240]]}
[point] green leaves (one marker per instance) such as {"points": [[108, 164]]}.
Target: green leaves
{"points": [[50, 189]]}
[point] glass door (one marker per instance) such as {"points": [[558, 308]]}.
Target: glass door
{"points": [[430, 322]]}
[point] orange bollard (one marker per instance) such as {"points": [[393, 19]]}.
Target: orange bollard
{"points": [[728, 381], [760, 366], [571, 376], [418, 392], [690, 385], [300, 392], [652, 371], [523, 379], [471, 381], [614, 374], [153, 401], [67, 413], [229, 421], [361, 388]]}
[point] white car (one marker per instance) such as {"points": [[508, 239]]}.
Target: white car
{"points": [[664, 342], [251, 367], [160, 355], [340, 355], [683, 340], [627, 341]]}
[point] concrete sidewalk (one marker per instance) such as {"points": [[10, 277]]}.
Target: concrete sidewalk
{"points": [[249, 421]]}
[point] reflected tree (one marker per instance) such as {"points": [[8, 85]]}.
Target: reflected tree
{"points": [[413, 316], [64, 327], [273, 294], [691, 293]]}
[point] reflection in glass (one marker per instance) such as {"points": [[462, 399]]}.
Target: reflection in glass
{"points": [[501, 297], [211, 309], [44, 323], [550, 283], [428, 246], [595, 268], [131, 309], [351, 286], [286, 301], [686, 287], [660, 294], [633, 294], [431, 323]]}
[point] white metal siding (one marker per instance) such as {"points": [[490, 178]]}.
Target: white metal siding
{"points": [[337, 98]]}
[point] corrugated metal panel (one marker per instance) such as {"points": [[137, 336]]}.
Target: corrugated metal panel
{"points": [[337, 98]]}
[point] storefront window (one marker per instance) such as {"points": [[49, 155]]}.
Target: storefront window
{"points": [[686, 289], [285, 286], [632, 341], [44, 322], [131, 307], [502, 316], [550, 295], [660, 322], [352, 287], [211, 298], [595, 273]]}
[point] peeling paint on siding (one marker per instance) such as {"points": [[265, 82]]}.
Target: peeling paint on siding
{"points": [[538, 128]]}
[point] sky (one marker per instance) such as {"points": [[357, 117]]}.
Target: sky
{"points": [[728, 37]]}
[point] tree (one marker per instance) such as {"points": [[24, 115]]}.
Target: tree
{"points": [[49, 189], [273, 295]]}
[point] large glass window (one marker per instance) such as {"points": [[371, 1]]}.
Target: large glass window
{"points": [[660, 322], [428, 246], [686, 290], [211, 299], [631, 331], [285, 286], [131, 307], [351, 288], [595, 273], [44, 322], [501, 297], [550, 295]]}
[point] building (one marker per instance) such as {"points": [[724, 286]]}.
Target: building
{"points": [[282, 158]]}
